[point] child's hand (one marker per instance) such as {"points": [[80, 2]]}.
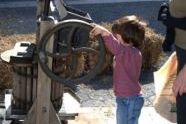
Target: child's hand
{"points": [[99, 30]]}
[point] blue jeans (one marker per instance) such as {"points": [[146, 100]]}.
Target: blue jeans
{"points": [[129, 109]]}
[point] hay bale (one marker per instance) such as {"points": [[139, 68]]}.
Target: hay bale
{"points": [[80, 65], [151, 52], [63, 68], [6, 76], [8, 41], [92, 59], [152, 48]]}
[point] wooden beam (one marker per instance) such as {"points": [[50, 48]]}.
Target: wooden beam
{"points": [[43, 112]]}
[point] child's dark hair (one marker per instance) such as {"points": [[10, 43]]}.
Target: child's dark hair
{"points": [[131, 30]]}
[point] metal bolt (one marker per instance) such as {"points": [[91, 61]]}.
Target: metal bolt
{"points": [[44, 109]]}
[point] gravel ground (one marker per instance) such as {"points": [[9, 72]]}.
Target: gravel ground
{"points": [[98, 92]]}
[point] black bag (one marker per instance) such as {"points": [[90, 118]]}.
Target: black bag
{"points": [[164, 15], [170, 23], [163, 12]]}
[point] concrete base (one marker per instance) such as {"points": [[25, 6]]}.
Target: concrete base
{"points": [[107, 116], [101, 115]]}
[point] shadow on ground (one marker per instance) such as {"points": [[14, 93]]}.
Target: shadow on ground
{"points": [[104, 81]]}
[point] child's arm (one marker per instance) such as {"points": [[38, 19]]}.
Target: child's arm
{"points": [[110, 41]]}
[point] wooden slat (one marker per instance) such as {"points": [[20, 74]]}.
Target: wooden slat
{"points": [[52, 90], [56, 93], [34, 83], [23, 88], [16, 88], [60, 91], [28, 88]]}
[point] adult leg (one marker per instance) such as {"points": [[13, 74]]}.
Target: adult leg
{"points": [[181, 100], [181, 109]]}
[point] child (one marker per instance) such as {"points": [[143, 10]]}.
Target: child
{"points": [[125, 43]]}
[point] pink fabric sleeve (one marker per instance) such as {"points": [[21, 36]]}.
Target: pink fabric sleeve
{"points": [[112, 44]]}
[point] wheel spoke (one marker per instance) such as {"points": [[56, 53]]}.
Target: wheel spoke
{"points": [[70, 37], [85, 49], [69, 50], [73, 67], [62, 44], [57, 55]]}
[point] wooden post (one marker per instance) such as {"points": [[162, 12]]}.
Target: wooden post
{"points": [[42, 111], [61, 9], [44, 82]]}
